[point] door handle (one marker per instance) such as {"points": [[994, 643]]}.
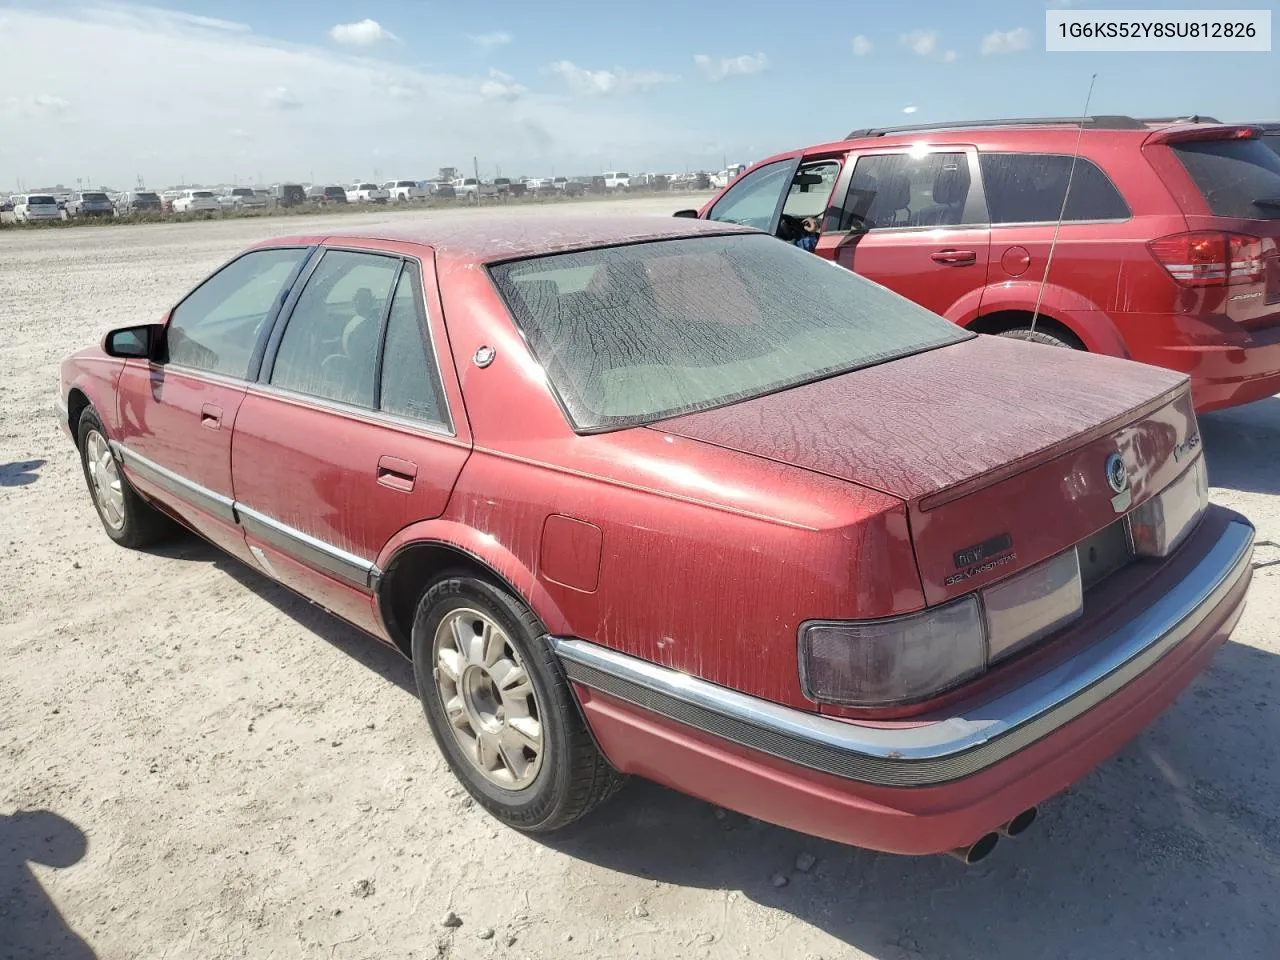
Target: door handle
{"points": [[396, 473], [210, 416], [955, 258]]}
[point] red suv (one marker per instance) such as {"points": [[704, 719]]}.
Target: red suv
{"points": [[1166, 252]]}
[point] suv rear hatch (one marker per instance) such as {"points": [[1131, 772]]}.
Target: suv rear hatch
{"points": [[1227, 183], [999, 448]]}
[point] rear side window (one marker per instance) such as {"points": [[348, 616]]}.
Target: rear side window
{"points": [[1237, 178], [1029, 188], [330, 345], [409, 384]]}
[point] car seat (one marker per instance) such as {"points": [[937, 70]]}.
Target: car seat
{"points": [[950, 188]]}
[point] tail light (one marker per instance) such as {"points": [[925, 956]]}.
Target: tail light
{"points": [[1209, 258]]}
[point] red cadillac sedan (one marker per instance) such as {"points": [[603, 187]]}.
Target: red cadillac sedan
{"points": [[665, 497]]}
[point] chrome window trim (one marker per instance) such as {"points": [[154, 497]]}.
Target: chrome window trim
{"points": [[936, 752], [433, 429], [210, 501]]}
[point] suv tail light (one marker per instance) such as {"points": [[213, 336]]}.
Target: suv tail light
{"points": [[1209, 258]]}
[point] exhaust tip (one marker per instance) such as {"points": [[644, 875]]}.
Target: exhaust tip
{"points": [[980, 849], [1020, 823]]}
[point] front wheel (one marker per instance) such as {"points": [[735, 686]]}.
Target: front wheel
{"points": [[128, 519], [500, 709]]}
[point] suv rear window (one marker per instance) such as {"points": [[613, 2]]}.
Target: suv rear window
{"points": [[1235, 177], [94, 197], [152, 197], [40, 201], [1029, 187]]}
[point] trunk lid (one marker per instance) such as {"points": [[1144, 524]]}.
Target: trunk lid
{"points": [[999, 447]]}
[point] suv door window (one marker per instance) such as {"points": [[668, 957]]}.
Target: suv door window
{"points": [[806, 199], [1029, 188], [753, 199], [905, 190], [410, 387], [216, 327], [330, 345]]}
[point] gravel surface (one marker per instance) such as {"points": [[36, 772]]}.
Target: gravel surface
{"points": [[196, 763]]}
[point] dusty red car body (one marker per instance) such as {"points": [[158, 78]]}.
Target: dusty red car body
{"points": [[1105, 288], [698, 546]]}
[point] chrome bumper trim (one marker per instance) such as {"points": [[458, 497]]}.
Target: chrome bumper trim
{"points": [[947, 749]]}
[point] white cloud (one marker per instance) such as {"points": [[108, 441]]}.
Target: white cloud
{"points": [[282, 98], [362, 34], [606, 82], [245, 81], [861, 46], [1006, 41], [925, 43], [36, 105], [488, 41], [910, 109], [717, 69], [501, 86]]}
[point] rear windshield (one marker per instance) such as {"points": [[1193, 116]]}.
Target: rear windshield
{"points": [[368, 186], [1238, 178], [633, 334], [406, 183], [242, 192], [202, 195], [334, 192], [148, 196], [41, 201], [95, 197], [1272, 140]]}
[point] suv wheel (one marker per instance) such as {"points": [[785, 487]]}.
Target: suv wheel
{"points": [[1050, 338]]}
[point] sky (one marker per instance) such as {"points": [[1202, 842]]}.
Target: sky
{"points": [[245, 91]]}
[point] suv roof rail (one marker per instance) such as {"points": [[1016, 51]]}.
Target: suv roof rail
{"points": [[1188, 118], [1097, 123]]}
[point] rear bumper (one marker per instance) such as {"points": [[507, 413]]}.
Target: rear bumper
{"points": [[921, 788], [1226, 370]]}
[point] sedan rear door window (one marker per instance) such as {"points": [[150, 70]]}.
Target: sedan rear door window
{"points": [[410, 386], [216, 327], [330, 345]]}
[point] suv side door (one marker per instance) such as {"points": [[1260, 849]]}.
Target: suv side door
{"points": [[350, 434], [176, 417], [914, 220]]}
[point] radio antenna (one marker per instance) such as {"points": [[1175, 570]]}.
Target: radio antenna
{"points": [[1066, 195]]}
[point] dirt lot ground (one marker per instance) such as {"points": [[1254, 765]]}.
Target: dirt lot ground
{"points": [[196, 763]]}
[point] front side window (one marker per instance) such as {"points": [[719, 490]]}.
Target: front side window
{"points": [[907, 190], [753, 198], [410, 387], [811, 189], [634, 334], [216, 327], [1030, 187], [330, 346]]}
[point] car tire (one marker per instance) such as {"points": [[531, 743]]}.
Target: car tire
{"points": [[531, 791], [1050, 338], [128, 519]]}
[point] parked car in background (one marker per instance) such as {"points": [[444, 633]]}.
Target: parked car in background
{"points": [[441, 190], [90, 203], [35, 208], [196, 201], [472, 189], [327, 195], [403, 191], [133, 202], [245, 198], [1167, 252], [366, 193], [616, 180], [288, 194], [961, 571], [574, 188], [6, 204]]}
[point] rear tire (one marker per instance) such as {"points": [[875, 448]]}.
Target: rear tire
{"points": [[501, 710], [1049, 338], [128, 519]]}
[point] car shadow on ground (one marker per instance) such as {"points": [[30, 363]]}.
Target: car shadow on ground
{"points": [[20, 473], [30, 924], [1241, 445], [1170, 848], [364, 649]]}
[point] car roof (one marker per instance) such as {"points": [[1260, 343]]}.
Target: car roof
{"points": [[486, 239]]}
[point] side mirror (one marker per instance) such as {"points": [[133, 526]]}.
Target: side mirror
{"points": [[136, 343], [692, 214]]}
